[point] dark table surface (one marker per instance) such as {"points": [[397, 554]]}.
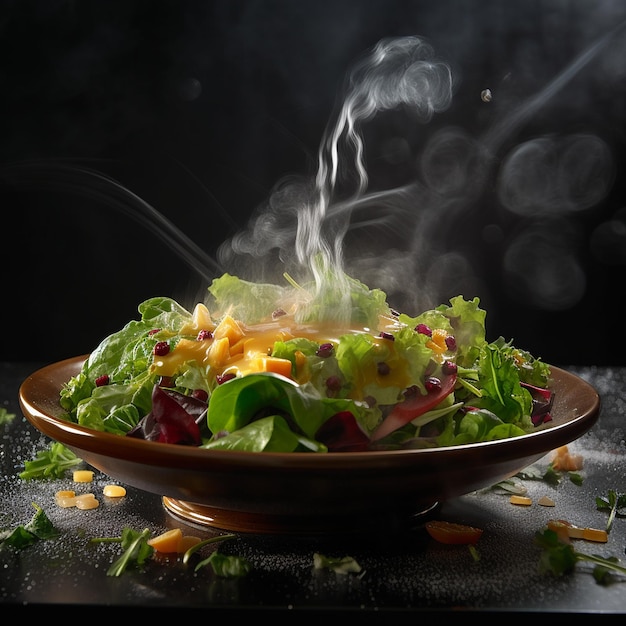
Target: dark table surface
{"points": [[404, 575]]}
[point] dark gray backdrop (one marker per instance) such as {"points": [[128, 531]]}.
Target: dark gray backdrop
{"points": [[196, 110]]}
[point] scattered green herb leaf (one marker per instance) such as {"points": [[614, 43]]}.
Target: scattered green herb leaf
{"points": [[222, 565], [39, 527], [560, 558], [576, 478], [201, 544], [136, 549], [509, 486], [615, 503], [50, 463], [551, 476], [602, 575], [5, 416], [226, 566], [532, 472], [340, 565], [473, 550]]}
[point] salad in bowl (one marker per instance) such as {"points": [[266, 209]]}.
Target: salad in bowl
{"points": [[259, 367]]}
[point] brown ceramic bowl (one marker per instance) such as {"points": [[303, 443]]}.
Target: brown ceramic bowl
{"points": [[304, 492]]}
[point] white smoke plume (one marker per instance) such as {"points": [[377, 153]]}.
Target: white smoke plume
{"points": [[306, 220], [405, 239]]}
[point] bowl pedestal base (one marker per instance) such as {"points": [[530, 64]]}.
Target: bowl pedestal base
{"points": [[267, 523]]}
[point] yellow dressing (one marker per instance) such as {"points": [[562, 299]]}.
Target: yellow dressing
{"points": [[240, 349]]}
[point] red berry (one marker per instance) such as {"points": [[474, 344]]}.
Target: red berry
{"points": [[432, 384], [103, 380], [423, 329], [449, 367], [222, 378], [333, 385], [161, 348], [325, 350], [451, 343], [200, 394]]}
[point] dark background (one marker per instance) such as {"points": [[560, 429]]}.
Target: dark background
{"points": [[114, 110]]}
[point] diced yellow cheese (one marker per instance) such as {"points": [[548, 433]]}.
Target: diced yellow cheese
{"points": [[229, 328], [219, 352], [185, 350], [86, 501], [82, 476], [270, 364], [201, 320], [114, 491]]}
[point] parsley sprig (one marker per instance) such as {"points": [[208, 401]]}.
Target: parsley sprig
{"points": [[50, 463]]}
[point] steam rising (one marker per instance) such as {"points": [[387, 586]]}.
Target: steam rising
{"points": [[417, 239], [405, 239], [307, 223]]}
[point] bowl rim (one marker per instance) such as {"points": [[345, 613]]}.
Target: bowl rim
{"points": [[42, 411]]}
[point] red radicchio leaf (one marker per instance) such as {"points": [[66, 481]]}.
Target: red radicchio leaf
{"points": [[342, 433], [172, 419]]}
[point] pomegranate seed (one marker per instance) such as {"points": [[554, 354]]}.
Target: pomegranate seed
{"points": [[451, 342], [388, 336], [432, 384], [383, 368], [424, 329], [449, 367], [200, 394], [204, 334], [154, 331], [223, 378], [103, 380], [325, 350], [278, 313], [333, 384], [161, 348]]}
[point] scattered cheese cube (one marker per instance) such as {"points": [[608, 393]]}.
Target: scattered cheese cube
{"points": [[83, 476], [520, 500]]}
